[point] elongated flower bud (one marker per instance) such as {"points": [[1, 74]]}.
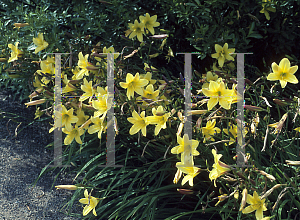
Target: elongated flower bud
{"points": [[36, 102], [19, 25], [68, 187], [244, 199]]}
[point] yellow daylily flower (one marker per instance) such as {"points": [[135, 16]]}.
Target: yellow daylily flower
{"points": [[148, 76], [184, 145], [233, 129], [133, 84], [222, 53], [69, 87], [82, 118], [210, 130], [15, 53], [72, 134], [218, 94], [111, 50], [98, 126], [159, 118], [90, 202], [37, 83], [256, 204], [219, 168], [102, 105], [139, 122], [150, 94], [137, 30], [68, 118], [149, 22], [40, 43], [209, 77], [75, 72], [46, 68], [88, 89], [284, 72], [267, 6], [190, 171], [83, 64]]}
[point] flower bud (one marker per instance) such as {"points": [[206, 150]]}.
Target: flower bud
{"points": [[294, 163], [253, 108], [68, 187], [19, 25], [244, 199], [36, 102], [161, 36]]}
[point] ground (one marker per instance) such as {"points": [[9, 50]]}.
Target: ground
{"points": [[22, 158]]}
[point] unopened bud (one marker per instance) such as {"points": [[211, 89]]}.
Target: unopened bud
{"points": [[272, 178], [271, 190], [280, 102], [19, 25], [161, 36], [36, 102], [294, 163], [68, 187], [244, 199], [3, 60], [253, 108]]}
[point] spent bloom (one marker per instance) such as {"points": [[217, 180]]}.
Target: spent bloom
{"points": [[149, 22], [133, 84], [91, 203], [137, 29], [256, 204], [222, 53], [284, 72], [40, 43], [15, 53]]}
